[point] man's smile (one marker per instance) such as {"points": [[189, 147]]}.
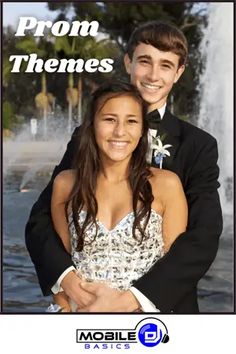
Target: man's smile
{"points": [[151, 87]]}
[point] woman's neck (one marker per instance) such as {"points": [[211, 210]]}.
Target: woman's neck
{"points": [[115, 172]]}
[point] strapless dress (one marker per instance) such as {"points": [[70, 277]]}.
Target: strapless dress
{"points": [[115, 256]]}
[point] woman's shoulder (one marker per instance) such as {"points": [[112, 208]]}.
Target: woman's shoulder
{"points": [[164, 179], [65, 178]]}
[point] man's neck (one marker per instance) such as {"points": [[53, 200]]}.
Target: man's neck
{"points": [[161, 110]]}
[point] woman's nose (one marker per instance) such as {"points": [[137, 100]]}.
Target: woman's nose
{"points": [[119, 129]]}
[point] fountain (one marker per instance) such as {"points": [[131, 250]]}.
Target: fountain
{"points": [[216, 117], [28, 162], [29, 154], [216, 90]]}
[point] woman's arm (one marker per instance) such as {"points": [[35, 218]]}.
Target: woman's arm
{"points": [[175, 216], [168, 192]]}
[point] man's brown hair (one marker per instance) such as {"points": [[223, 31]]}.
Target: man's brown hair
{"points": [[163, 36]]}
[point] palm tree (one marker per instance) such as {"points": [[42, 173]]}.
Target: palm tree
{"points": [[86, 48], [66, 46], [42, 47]]}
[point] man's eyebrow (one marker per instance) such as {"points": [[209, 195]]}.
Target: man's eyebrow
{"points": [[144, 56], [163, 61]]}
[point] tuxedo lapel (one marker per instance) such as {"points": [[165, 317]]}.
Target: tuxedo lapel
{"points": [[170, 133]]}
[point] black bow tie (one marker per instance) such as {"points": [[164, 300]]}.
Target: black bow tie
{"points": [[154, 119]]}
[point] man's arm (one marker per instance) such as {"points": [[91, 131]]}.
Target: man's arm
{"points": [[44, 245], [175, 276]]}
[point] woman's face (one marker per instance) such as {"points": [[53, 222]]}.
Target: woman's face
{"points": [[118, 128]]}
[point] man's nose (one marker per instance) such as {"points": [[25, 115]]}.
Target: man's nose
{"points": [[154, 73]]}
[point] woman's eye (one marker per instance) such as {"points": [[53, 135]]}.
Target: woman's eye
{"points": [[132, 121], [109, 119]]}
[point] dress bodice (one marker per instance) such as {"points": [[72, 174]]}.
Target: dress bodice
{"points": [[115, 256]]}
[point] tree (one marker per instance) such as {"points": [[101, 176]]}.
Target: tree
{"points": [[17, 88], [8, 114], [43, 48]]}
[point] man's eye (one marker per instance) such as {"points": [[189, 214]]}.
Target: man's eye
{"points": [[144, 61]]}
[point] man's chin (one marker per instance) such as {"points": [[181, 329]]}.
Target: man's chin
{"points": [[152, 104], [149, 98]]}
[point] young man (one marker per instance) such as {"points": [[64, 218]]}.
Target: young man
{"points": [[155, 60]]}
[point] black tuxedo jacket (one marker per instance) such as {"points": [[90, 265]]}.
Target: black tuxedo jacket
{"points": [[172, 282]]}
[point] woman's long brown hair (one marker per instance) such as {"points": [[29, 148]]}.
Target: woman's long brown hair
{"points": [[87, 166]]}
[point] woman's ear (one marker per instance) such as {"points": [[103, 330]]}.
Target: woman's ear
{"points": [[127, 63]]}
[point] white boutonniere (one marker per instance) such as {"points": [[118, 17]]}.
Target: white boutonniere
{"points": [[156, 146]]}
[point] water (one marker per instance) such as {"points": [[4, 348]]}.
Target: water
{"points": [[216, 87], [21, 292], [216, 287], [27, 165], [216, 117]]}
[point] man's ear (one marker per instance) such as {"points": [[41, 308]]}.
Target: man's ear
{"points": [[127, 63], [179, 73]]}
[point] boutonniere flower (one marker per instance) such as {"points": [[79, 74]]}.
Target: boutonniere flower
{"points": [[157, 148]]}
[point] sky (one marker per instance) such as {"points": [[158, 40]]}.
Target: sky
{"points": [[13, 10]]}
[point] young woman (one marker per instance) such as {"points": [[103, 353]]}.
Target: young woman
{"points": [[115, 214]]}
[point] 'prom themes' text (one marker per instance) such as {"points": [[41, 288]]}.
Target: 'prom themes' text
{"points": [[58, 29]]}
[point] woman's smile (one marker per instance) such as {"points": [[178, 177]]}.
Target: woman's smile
{"points": [[118, 128], [120, 145]]}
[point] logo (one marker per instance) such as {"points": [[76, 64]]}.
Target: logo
{"points": [[152, 332], [148, 332]]}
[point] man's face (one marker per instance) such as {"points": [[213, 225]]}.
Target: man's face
{"points": [[153, 72]]}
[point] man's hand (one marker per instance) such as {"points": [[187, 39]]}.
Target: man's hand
{"points": [[71, 285], [108, 299]]}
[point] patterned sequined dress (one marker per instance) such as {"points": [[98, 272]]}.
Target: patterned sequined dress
{"points": [[115, 256]]}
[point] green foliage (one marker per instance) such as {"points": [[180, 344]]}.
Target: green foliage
{"points": [[41, 46], [28, 45], [8, 114], [6, 72]]}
